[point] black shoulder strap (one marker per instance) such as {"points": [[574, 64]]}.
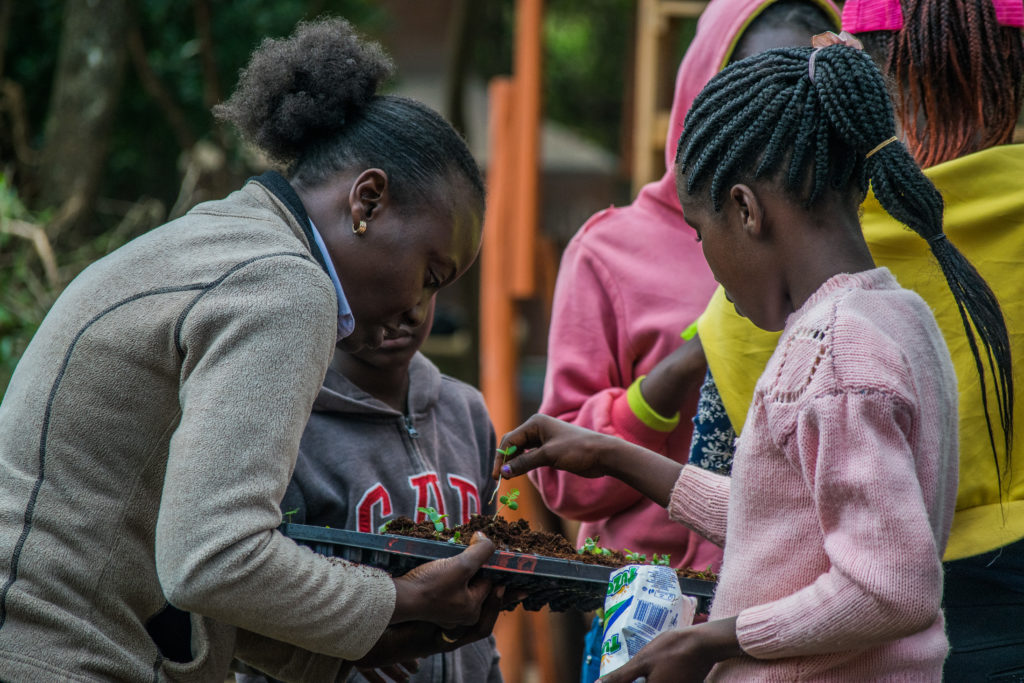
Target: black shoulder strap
{"points": [[283, 190]]}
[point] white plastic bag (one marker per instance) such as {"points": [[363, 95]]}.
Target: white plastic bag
{"points": [[642, 601]]}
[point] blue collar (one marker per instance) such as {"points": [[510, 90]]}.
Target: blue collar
{"points": [[346, 323]]}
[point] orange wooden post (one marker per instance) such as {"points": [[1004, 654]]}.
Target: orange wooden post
{"points": [[522, 275], [526, 123], [497, 351], [497, 348], [509, 273]]}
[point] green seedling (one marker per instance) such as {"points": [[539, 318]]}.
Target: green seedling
{"points": [[456, 537], [383, 528], [288, 515], [509, 501], [635, 558], [505, 454], [435, 518], [590, 546], [663, 560]]}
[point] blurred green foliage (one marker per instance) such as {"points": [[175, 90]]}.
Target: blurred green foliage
{"points": [[24, 293], [587, 64], [587, 44], [141, 133]]}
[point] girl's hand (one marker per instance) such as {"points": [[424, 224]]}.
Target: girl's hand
{"points": [[544, 441], [681, 656]]}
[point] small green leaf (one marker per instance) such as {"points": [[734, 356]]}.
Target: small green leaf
{"points": [[513, 505]]}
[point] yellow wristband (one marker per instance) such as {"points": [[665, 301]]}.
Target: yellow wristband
{"points": [[645, 413]]}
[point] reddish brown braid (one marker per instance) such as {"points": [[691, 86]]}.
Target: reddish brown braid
{"points": [[958, 77]]}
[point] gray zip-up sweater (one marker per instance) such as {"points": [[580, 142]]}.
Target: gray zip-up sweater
{"points": [[362, 463], [146, 439]]}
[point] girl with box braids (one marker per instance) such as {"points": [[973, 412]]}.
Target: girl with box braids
{"points": [[827, 113], [841, 495]]}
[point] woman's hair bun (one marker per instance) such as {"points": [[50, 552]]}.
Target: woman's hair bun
{"points": [[303, 88]]}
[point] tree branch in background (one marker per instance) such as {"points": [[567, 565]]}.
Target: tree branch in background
{"points": [[37, 236], [152, 84], [212, 93], [204, 31], [460, 37], [12, 101], [6, 8], [87, 88]]}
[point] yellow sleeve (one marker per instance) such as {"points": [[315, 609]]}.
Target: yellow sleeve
{"points": [[737, 353]]}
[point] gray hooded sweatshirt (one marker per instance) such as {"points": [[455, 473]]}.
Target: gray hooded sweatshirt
{"points": [[362, 463]]}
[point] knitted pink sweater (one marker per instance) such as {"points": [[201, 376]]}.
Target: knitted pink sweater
{"points": [[845, 482]]}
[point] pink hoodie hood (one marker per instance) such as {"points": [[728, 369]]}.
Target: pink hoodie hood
{"points": [[718, 30]]}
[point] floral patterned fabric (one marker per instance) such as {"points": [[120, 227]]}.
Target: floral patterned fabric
{"points": [[714, 439]]}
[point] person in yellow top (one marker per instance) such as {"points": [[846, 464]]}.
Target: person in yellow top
{"points": [[945, 55]]}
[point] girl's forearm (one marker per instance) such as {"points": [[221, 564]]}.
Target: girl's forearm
{"points": [[677, 376], [648, 472]]}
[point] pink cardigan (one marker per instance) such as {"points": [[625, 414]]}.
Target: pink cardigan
{"points": [[845, 481]]}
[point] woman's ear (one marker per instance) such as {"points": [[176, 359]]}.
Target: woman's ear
{"points": [[369, 195], [749, 209]]}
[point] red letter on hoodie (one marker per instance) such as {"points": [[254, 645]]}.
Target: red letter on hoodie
{"points": [[467, 491], [378, 494], [423, 483]]}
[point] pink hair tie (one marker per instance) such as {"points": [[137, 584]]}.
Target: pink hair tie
{"points": [[1009, 12], [826, 39], [861, 16]]}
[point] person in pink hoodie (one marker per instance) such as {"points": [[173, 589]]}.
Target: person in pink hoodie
{"points": [[844, 481]]}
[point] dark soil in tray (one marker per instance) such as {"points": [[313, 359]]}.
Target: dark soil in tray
{"points": [[517, 536]]}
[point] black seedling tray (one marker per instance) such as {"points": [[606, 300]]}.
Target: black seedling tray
{"points": [[559, 584]]}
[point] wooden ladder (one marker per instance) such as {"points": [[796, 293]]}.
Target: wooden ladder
{"points": [[656, 65]]}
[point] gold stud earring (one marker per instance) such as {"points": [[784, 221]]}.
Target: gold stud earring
{"points": [[359, 229]]}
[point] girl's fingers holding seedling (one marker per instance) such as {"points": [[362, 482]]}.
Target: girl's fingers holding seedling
{"points": [[546, 441], [501, 456], [523, 464], [531, 434]]}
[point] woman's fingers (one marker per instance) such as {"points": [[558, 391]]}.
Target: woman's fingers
{"points": [[455, 638], [446, 591], [627, 673], [372, 676]]}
